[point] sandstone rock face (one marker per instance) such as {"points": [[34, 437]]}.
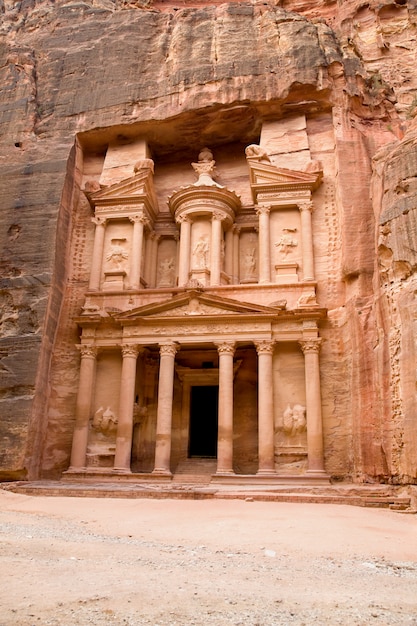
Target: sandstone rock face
{"points": [[89, 89]]}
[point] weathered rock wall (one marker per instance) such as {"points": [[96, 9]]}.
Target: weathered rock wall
{"points": [[102, 70]]}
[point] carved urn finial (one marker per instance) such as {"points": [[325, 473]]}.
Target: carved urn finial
{"points": [[205, 169]]}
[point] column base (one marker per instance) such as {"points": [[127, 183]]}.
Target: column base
{"points": [[319, 473], [75, 470], [266, 472], [224, 472], [121, 470], [160, 471]]}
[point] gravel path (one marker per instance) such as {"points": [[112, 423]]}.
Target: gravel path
{"points": [[75, 561]]}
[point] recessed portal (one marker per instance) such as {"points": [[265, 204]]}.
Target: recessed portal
{"points": [[203, 421]]}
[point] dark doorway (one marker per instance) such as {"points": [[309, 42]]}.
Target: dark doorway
{"points": [[203, 421]]}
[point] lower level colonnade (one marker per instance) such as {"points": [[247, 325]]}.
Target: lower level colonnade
{"points": [[165, 397]]}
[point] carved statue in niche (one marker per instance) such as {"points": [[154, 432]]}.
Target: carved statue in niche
{"points": [[294, 420], [249, 264], [117, 254], [201, 253], [166, 272], [287, 242], [105, 421]]}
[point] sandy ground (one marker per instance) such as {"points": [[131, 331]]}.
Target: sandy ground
{"points": [[76, 561]]}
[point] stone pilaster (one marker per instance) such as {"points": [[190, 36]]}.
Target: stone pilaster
{"points": [[225, 415], [264, 244], [229, 254], [307, 240], [185, 250], [98, 248], [236, 241], [311, 348], [164, 415], [139, 222], [83, 407], [127, 398], [265, 351]]}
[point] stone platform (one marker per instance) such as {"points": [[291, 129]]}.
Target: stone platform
{"points": [[381, 496]]}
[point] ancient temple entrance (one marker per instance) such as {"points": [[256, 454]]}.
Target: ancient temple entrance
{"points": [[203, 421]]}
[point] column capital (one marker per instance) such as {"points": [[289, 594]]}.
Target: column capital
{"points": [[130, 350], [262, 209], [265, 346], [305, 206], [236, 229], [139, 218], [168, 349], [226, 347], [217, 216], [98, 220], [181, 219], [87, 350], [310, 345]]}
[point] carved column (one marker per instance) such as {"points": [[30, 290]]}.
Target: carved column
{"points": [[265, 351], [216, 248], [154, 259], [83, 407], [137, 243], [307, 240], [164, 415], [236, 236], [147, 270], [311, 348], [225, 431], [264, 244], [98, 248], [185, 246], [229, 254], [127, 399]]}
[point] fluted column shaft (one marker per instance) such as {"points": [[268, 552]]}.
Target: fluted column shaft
{"points": [[216, 248], [225, 413], [83, 406], [307, 240], [264, 245], [315, 449], [126, 402], [265, 407], [136, 255], [185, 251], [98, 248], [164, 413]]}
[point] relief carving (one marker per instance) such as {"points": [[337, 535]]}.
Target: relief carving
{"points": [[287, 242], [117, 254], [105, 421], [294, 420], [201, 253], [249, 264], [166, 273]]}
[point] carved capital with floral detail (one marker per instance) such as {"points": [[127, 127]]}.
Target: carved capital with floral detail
{"points": [[262, 210], [181, 219], [130, 350], [265, 346], [310, 345], [168, 349], [226, 347], [305, 206], [87, 351], [139, 218], [99, 221]]}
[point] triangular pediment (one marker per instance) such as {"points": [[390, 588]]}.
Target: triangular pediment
{"points": [[137, 188], [196, 304], [265, 177]]}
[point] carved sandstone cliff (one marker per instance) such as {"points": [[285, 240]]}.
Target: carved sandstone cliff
{"points": [[339, 82]]}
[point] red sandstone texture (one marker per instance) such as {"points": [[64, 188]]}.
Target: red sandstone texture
{"points": [[78, 75]]}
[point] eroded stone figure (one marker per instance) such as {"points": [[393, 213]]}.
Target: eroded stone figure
{"points": [[294, 420], [166, 272], [105, 421], [117, 255], [249, 264], [200, 252], [287, 242]]}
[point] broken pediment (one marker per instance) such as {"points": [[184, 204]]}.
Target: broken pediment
{"points": [[267, 178], [195, 303], [137, 189]]}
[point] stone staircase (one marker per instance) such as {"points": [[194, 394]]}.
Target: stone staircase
{"points": [[195, 471]]}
